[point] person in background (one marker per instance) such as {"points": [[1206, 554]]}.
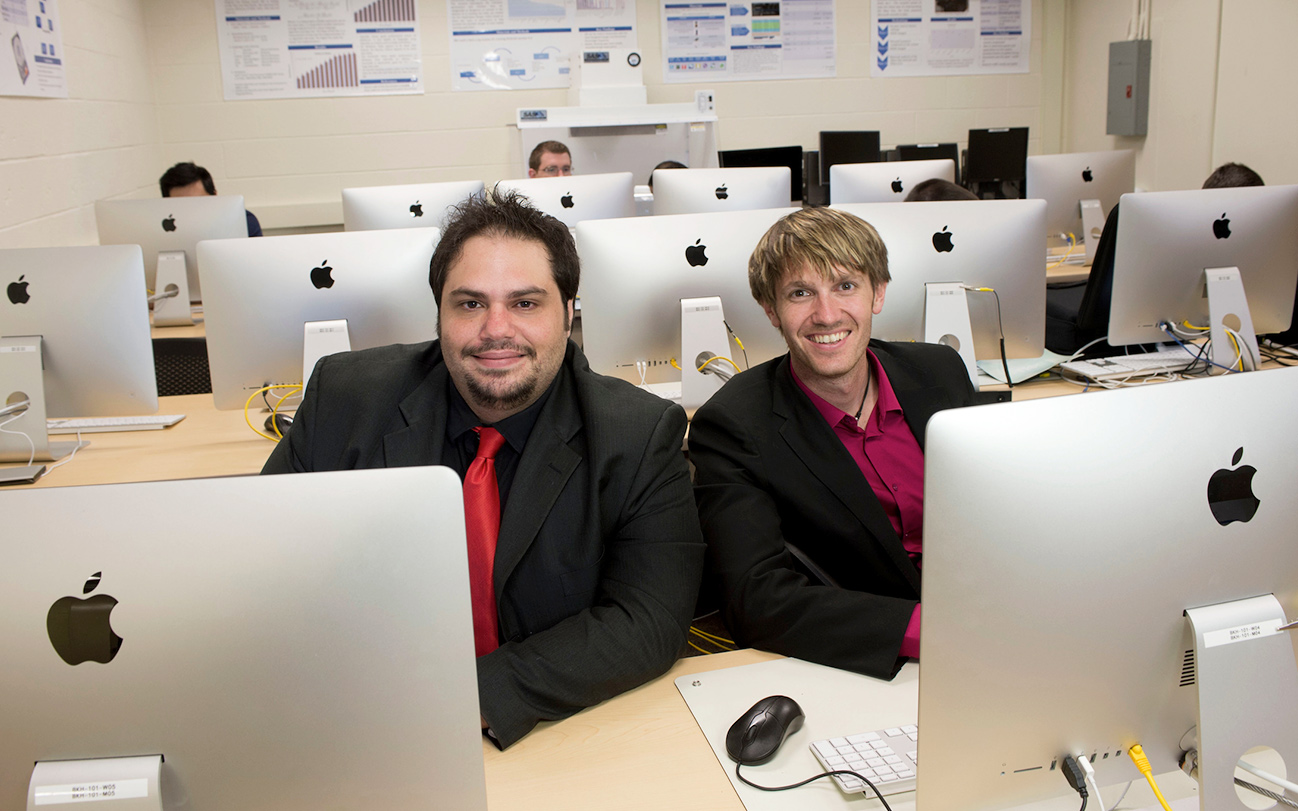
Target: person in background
{"points": [[549, 159], [664, 165], [936, 188], [192, 180]]}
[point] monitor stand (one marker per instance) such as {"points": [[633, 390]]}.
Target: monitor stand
{"points": [[22, 377], [1228, 307], [703, 336], [131, 783], [1092, 225], [322, 338], [1247, 684], [172, 282], [946, 321]]}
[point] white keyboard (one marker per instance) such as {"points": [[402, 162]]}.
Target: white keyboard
{"points": [[1117, 367], [100, 425], [886, 757]]}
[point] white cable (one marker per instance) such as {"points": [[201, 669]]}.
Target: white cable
{"points": [[1089, 771], [31, 459], [1267, 776], [1281, 347], [75, 448], [1121, 797]]}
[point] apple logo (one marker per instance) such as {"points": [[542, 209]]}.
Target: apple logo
{"points": [[695, 254], [1221, 228], [18, 291], [169, 224], [896, 186], [566, 200], [417, 210], [722, 193], [942, 241], [81, 630], [1086, 175], [320, 276], [1230, 492]]}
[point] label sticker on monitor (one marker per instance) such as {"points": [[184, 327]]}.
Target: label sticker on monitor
{"points": [[1243, 633], [92, 792]]}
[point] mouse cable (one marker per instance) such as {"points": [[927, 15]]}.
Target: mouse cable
{"points": [[735, 335], [872, 786]]}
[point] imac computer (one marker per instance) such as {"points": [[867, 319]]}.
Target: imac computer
{"points": [[1080, 188], [412, 205], [1102, 571], [575, 198], [938, 250], [790, 156], [276, 305], [847, 146], [636, 274], [273, 642], [996, 161], [167, 229], [883, 182], [74, 342], [701, 191], [1221, 259]]}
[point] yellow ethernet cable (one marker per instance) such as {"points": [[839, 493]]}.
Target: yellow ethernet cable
{"points": [[1137, 755]]}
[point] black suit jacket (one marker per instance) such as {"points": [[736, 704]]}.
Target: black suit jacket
{"points": [[599, 556], [805, 559]]}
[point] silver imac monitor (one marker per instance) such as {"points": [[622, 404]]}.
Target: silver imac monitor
{"points": [[883, 182], [1065, 540], [575, 198], [412, 205], [74, 333], [634, 273], [261, 294], [997, 244], [171, 224], [281, 642], [1065, 181], [1168, 240], [699, 191]]}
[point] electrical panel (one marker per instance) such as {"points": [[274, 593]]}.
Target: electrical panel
{"points": [[1128, 87]]}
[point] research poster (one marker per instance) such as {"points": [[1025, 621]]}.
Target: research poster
{"points": [[33, 30], [743, 41], [283, 49], [519, 44], [950, 37]]}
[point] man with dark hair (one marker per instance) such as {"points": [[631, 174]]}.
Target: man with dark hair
{"points": [[192, 180], [583, 586], [935, 188], [810, 467], [669, 164], [549, 159], [1231, 175]]}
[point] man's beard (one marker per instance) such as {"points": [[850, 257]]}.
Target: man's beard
{"points": [[521, 392]]}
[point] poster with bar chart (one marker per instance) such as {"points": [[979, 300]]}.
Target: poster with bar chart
{"points": [[276, 49]]}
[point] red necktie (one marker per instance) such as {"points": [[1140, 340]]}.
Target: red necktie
{"points": [[482, 527]]}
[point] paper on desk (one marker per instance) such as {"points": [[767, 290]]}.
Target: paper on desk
{"points": [[1021, 369]]}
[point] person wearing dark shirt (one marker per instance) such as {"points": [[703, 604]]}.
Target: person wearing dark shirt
{"points": [[192, 180], [809, 469], [587, 586]]}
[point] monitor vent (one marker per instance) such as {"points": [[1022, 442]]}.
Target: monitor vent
{"points": [[1187, 669]]}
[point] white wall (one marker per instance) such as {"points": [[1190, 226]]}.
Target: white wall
{"points": [[57, 156]]}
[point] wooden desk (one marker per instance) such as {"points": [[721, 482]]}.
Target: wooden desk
{"points": [[641, 750], [196, 330], [206, 443]]}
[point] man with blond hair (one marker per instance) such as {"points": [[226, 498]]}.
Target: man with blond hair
{"points": [[810, 467]]}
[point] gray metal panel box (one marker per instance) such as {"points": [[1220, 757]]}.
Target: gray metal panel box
{"points": [[1128, 87]]}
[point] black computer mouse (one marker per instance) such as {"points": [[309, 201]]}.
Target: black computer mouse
{"points": [[284, 422], [758, 734]]}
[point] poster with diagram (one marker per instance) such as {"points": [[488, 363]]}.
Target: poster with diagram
{"points": [[950, 37], [283, 49], [521, 44], [714, 41], [33, 31]]}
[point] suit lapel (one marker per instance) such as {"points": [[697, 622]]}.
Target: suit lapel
{"points": [[815, 443], [547, 463], [424, 410]]}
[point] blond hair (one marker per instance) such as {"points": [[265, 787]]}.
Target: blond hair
{"points": [[825, 239]]}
